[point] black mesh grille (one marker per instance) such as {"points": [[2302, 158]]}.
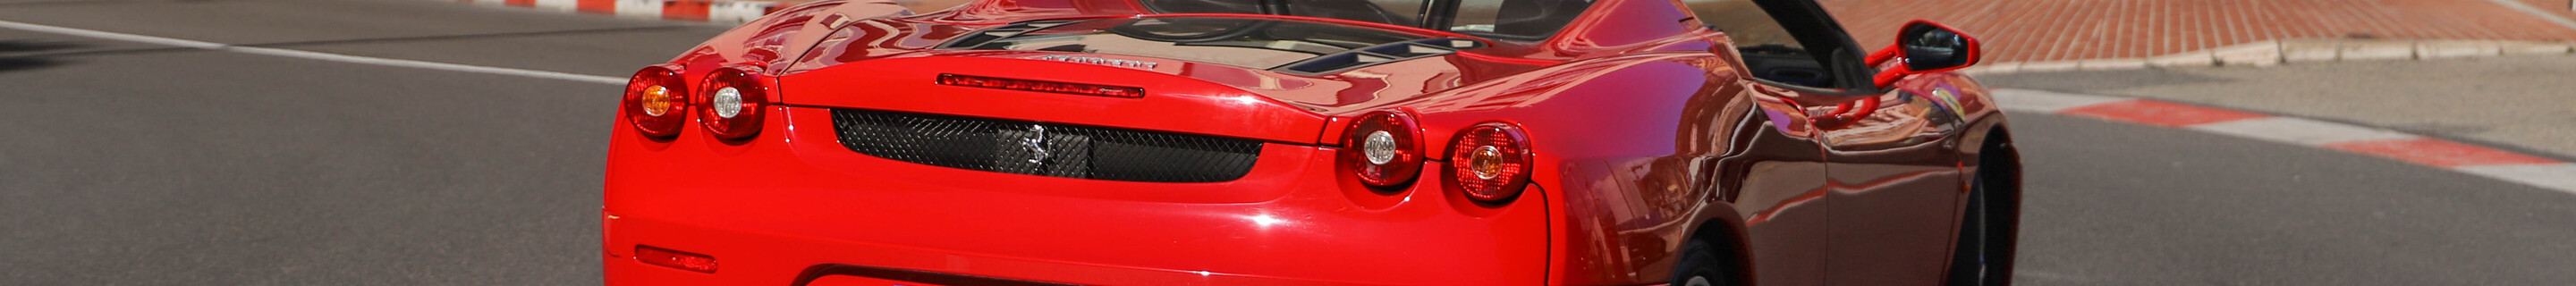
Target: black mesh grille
{"points": [[1058, 150]]}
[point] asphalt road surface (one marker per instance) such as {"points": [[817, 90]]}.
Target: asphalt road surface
{"points": [[127, 163]]}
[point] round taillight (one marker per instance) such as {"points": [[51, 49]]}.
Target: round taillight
{"points": [[730, 102], [1383, 148], [1490, 162], [655, 100]]}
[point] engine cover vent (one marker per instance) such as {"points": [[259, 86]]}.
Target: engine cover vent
{"points": [[1045, 149]]}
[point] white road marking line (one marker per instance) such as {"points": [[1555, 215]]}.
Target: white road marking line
{"points": [[2560, 177], [427, 65], [2300, 131], [313, 55], [2046, 102]]}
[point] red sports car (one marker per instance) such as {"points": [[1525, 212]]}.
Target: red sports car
{"points": [[1305, 142]]}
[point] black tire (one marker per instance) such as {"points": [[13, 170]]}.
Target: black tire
{"points": [[1984, 253], [1699, 266]]}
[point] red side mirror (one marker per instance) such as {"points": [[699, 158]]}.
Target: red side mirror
{"points": [[1925, 47]]}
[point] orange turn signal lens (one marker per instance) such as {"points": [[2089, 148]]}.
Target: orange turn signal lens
{"points": [[658, 100], [1490, 162]]}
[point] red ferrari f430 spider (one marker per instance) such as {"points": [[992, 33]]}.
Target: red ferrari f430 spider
{"points": [[1306, 142]]}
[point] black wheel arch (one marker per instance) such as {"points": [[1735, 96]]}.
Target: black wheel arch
{"points": [[1725, 238]]}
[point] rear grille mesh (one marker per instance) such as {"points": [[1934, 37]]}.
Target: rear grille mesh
{"points": [[1045, 149]]}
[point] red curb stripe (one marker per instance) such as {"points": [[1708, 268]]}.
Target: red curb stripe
{"points": [[520, 3], [685, 10], [2159, 113], [596, 6], [2438, 153]]}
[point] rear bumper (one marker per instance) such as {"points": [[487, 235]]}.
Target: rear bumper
{"points": [[793, 205]]}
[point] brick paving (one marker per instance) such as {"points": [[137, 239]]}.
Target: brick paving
{"points": [[2060, 30]]}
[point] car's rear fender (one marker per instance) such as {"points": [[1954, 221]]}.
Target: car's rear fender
{"points": [[1625, 148]]}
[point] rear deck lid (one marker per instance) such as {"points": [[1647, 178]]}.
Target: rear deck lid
{"points": [[1195, 74]]}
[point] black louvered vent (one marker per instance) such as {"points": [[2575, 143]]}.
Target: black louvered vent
{"points": [[1046, 149], [997, 33]]}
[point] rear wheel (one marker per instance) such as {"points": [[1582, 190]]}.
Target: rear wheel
{"points": [[1984, 253], [1699, 266]]}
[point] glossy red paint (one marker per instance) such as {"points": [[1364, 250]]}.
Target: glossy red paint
{"points": [[1645, 130]]}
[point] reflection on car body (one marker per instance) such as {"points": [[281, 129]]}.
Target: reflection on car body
{"points": [[1232, 142]]}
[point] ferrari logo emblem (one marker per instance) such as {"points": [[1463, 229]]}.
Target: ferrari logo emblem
{"points": [[1036, 144]]}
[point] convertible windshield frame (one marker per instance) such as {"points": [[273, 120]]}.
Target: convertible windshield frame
{"points": [[1545, 18]]}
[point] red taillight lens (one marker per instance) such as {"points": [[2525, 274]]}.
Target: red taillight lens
{"points": [[1383, 148], [1490, 162], [657, 101], [1041, 86], [730, 102], [675, 259]]}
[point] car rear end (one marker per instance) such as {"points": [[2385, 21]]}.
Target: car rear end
{"points": [[1002, 167]]}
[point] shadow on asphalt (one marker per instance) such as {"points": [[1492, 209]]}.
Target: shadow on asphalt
{"points": [[16, 55], [17, 63], [20, 46]]}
